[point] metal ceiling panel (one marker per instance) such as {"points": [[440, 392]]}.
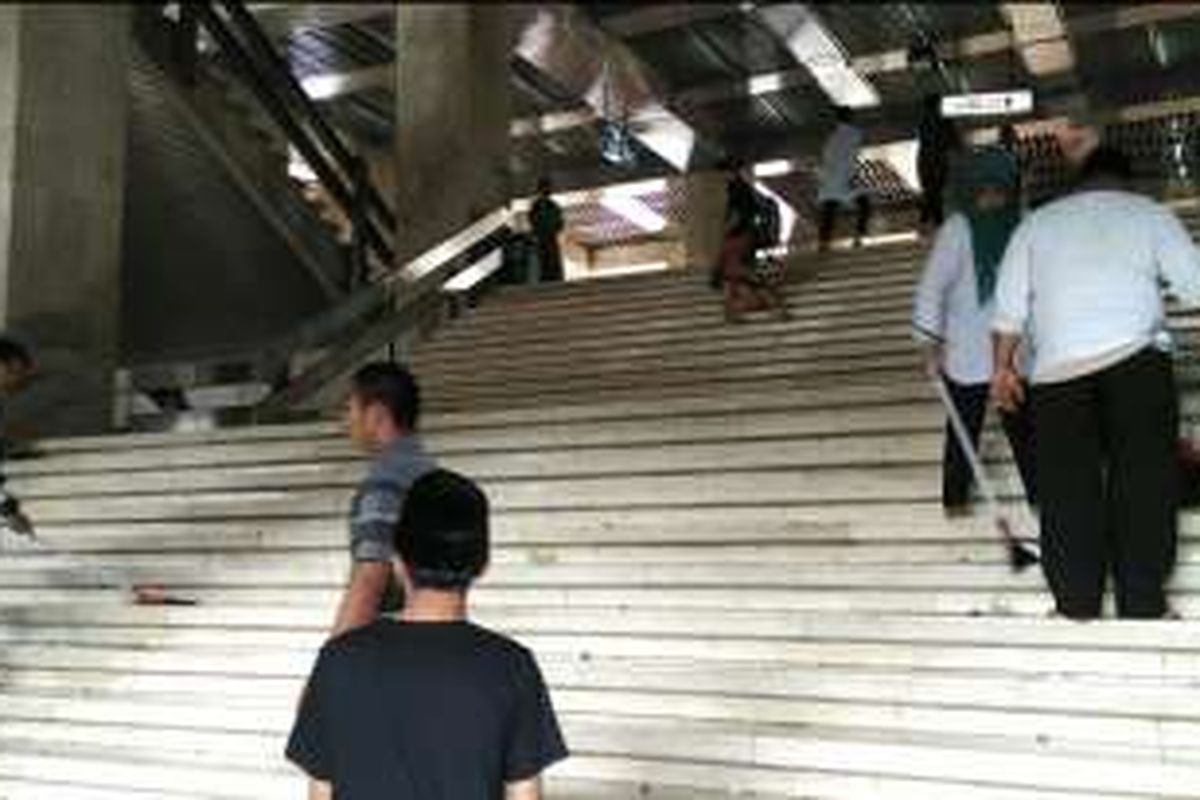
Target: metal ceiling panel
{"points": [[743, 42], [682, 59]]}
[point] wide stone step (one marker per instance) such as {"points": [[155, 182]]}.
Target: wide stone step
{"points": [[1148, 698], [819, 763], [249, 733]]}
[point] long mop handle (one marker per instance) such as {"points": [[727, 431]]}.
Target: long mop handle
{"points": [[1020, 556], [968, 449]]}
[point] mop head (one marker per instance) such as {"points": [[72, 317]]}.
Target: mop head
{"points": [[1020, 554]]}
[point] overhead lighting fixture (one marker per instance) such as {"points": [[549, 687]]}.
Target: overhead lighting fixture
{"points": [[822, 55], [633, 209], [298, 168], [1041, 37], [986, 104], [765, 83], [323, 87], [665, 134], [773, 169]]}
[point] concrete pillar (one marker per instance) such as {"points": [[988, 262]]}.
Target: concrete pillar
{"points": [[453, 113], [63, 110], [704, 221]]}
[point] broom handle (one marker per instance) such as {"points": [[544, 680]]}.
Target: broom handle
{"points": [[964, 442]]}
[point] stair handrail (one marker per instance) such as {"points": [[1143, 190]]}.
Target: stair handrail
{"points": [[377, 315], [341, 172], [261, 43]]}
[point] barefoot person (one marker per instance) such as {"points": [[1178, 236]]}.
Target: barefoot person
{"points": [[952, 316], [1082, 280]]}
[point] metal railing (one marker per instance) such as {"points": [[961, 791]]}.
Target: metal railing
{"points": [[250, 54]]}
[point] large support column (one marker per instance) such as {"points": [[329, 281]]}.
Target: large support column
{"points": [[704, 224], [452, 118], [63, 109]]}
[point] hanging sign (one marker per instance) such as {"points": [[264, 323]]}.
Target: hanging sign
{"points": [[988, 104]]}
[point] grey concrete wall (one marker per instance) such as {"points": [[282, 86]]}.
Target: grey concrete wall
{"points": [[204, 272], [453, 111], [62, 148]]}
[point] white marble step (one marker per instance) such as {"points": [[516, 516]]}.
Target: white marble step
{"points": [[739, 758]]}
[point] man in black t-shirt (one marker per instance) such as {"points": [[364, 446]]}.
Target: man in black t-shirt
{"points": [[429, 706]]}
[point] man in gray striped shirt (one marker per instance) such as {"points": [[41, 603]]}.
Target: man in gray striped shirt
{"points": [[382, 411]]}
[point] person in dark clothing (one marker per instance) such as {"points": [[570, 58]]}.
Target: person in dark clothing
{"points": [[16, 368], [546, 222], [938, 141], [744, 286], [429, 706]]}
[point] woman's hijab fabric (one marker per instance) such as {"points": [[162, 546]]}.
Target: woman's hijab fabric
{"points": [[991, 229]]}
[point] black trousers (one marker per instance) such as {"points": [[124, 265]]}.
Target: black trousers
{"points": [[549, 260], [1107, 472], [933, 189], [971, 400], [829, 210]]}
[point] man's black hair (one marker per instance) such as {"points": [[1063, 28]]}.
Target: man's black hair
{"points": [[545, 185], [13, 352], [1106, 162], [843, 113], [442, 536], [392, 386]]}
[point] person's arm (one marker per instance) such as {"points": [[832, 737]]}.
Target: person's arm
{"points": [[522, 790], [1007, 390], [319, 790], [929, 304], [1178, 259], [1014, 287], [372, 526], [363, 596]]}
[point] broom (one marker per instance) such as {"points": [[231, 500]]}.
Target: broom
{"points": [[1020, 555]]}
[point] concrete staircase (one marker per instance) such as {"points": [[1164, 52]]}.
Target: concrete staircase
{"points": [[723, 543]]}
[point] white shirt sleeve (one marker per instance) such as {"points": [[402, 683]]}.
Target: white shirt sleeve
{"points": [[1177, 257], [941, 268], [1014, 285]]}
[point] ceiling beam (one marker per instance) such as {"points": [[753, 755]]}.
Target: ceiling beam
{"points": [[281, 20], [655, 17], [977, 46]]}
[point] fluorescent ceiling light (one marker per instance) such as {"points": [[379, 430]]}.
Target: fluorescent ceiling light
{"points": [[773, 169], [982, 104], [765, 83], [322, 87], [634, 210], [298, 168], [818, 50], [1041, 36], [665, 134]]}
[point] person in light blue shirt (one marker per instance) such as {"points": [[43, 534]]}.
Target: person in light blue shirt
{"points": [[1083, 280]]}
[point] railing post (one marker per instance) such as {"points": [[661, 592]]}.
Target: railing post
{"points": [[359, 221], [186, 43]]}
